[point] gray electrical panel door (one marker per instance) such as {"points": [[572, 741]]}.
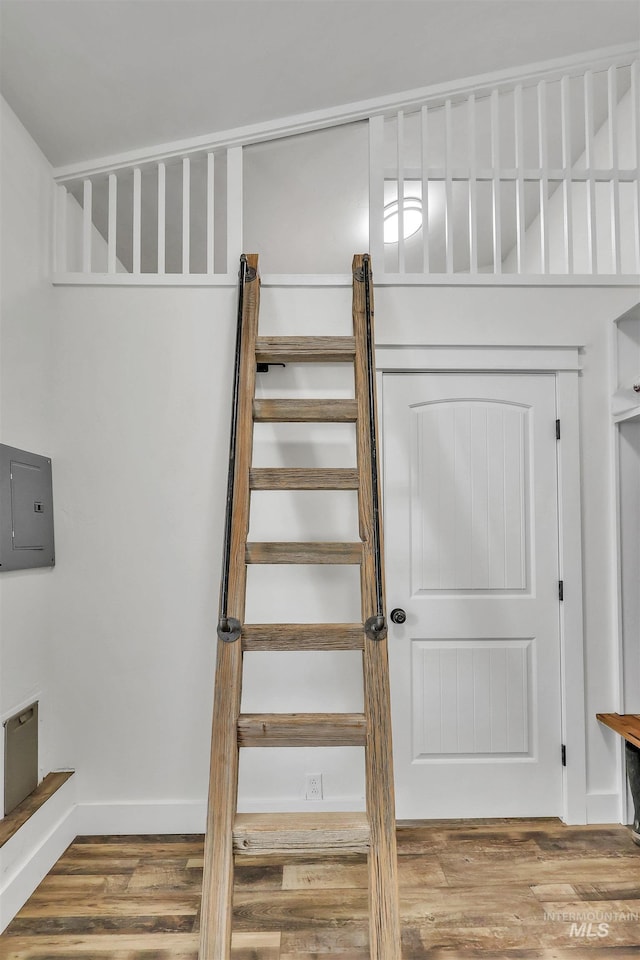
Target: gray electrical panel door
{"points": [[26, 510]]}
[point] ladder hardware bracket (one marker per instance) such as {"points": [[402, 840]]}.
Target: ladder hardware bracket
{"points": [[375, 628], [359, 272], [264, 367], [233, 629]]}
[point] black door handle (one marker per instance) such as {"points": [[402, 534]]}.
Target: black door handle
{"points": [[398, 615]]}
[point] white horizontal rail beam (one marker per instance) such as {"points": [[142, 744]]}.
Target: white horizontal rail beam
{"points": [[483, 84], [345, 280], [528, 174]]}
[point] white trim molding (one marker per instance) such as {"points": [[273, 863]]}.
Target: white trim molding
{"points": [[603, 808], [124, 817], [27, 857]]}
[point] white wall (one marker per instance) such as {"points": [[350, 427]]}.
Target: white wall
{"points": [[131, 401], [31, 648], [306, 199], [27, 643], [140, 403]]}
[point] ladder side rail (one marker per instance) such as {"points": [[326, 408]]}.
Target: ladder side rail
{"points": [[217, 889], [229, 630], [375, 625], [384, 917]]}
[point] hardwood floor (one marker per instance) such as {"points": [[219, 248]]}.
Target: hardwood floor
{"points": [[498, 890]]}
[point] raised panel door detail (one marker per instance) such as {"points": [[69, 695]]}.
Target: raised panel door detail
{"points": [[472, 698], [470, 497]]}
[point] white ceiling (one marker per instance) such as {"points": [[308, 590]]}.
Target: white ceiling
{"points": [[90, 78]]}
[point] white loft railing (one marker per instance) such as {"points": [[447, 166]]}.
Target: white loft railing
{"points": [[530, 176]]}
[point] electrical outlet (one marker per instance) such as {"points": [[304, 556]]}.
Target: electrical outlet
{"points": [[314, 786]]}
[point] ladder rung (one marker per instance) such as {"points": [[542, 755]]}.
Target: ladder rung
{"points": [[315, 552], [303, 636], [302, 730], [305, 349], [262, 834], [305, 411], [303, 478]]}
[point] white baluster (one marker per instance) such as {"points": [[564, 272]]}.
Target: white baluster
{"points": [[400, 173], [376, 191], [473, 186], [448, 201], [592, 238], [210, 212], [60, 229], [234, 208], [87, 225], [612, 98], [496, 185], [635, 134], [519, 154], [162, 204], [112, 234], [186, 214], [567, 183], [424, 129], [544, 176], [137, 218]]}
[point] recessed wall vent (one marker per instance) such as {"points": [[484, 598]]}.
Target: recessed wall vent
{"points": [[20, 756]]}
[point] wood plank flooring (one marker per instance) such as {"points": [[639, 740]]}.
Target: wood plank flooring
{"points": [[497, 890]]}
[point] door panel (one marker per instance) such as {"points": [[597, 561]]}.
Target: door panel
{"points": [[470, 504], [471, 552]]}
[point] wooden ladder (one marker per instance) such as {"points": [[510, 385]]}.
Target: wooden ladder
{"points": [[230, 834]]}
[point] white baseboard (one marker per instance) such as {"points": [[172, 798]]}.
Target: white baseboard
{"points": [[27, 857], [603, 808], [124, 817]]}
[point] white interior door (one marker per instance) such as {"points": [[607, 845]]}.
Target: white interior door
{"points": [[471, 547]]}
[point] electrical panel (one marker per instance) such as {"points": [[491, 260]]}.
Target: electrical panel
{"points": [[26, 510]]}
